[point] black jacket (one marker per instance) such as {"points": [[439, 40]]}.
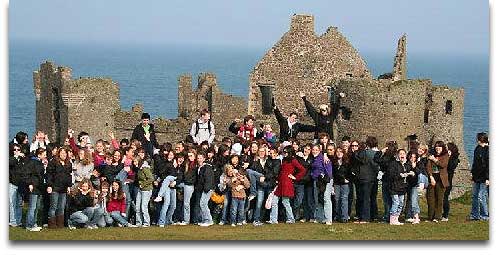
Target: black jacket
{"points": [[205, 178], [422, 165], [306, 163], [59, 176], [17, 170], [480, 166], [399, 185], [139, 134], [323, 123], [367, 168], [110, 171], [79, 202], [271, 177], [35, 175], [285, 131], [190, 176], [384, 161], [453, 164], [266, 170], [341, 173]]}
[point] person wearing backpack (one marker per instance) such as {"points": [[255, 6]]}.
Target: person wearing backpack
{"points": [[203, 129]]}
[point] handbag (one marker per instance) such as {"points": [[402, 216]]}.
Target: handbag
{"points": [[269, 200]]}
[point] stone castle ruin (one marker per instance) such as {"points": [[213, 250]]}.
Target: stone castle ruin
{"points": [[390, 107]]}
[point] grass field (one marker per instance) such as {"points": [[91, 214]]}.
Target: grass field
{"points": [[458, 228]]}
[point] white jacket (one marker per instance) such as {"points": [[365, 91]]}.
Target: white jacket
{"points": [[203, 134]]}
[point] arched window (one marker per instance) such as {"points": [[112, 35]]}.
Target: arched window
{"points": [[449, 107], [266, 98]]}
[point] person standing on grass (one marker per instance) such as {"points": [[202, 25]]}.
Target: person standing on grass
{"points": [[206, 185], [399, 171], [237, 183], [437, 170], [17, 170], [35, 174], [59, 182], [144, 182], [412, 207], [480, 179], [385, 158], [452, 165], [290, 171], [321, 172], [342, 178]]}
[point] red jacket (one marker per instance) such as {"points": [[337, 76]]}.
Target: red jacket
{"points": [[285, 186], [116, 205]]}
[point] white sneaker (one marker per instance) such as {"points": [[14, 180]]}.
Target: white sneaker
{"points": [[416, 221], [205, 224], [244, 222], [221, 223], [328, 223], [233, 225], [302, 220], [71, 227], [410, 220], [132, 226], [161, 226], [183, 223], [145, 226], [239, 224], [158, 199], [34, 229], [444, 219]]}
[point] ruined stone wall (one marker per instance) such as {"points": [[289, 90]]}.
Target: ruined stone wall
{"points": [[50, 83], [92, 103], [387, 110], [447, 126], [302, 61]]}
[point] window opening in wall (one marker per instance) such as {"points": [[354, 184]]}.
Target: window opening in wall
{"points": [[266, 98], [349, 75], [449, 107], [426, 116]]}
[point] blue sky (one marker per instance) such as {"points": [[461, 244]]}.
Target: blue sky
{"points": [[449, 26]]}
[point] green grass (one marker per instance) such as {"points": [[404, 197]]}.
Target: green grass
{"points": [[458, 228]]}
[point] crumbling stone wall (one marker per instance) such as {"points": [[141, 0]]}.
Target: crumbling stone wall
{"points": [[63, 103], [303, 61]]}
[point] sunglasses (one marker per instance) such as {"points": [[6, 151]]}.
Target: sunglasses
{"points": [[17, 149], [354, 145]]}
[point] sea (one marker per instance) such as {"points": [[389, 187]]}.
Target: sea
{"points": [[149, 74]]}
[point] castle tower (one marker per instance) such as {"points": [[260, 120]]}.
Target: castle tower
{"points": [[184, 95], [399, 69]]}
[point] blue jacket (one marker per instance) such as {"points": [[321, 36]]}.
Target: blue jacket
{"points": [[319, 167]]}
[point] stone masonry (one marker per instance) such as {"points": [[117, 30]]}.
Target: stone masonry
{"points": [[388, 108]]}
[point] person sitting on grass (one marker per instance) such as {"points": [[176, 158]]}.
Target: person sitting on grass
{"points": [[82, 206], [116, 205]]}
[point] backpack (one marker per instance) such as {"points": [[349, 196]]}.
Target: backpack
{"points": [[197, 127]]}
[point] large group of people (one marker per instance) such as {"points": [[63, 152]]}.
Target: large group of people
{"points": [[251, 177]]}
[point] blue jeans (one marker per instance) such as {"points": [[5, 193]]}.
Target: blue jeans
{"points": [[386, 199], [169, 206], [287, 207], [253, 177], [298, 199], [397, 207], [341, 201], [89, 216], [204, 205], [129, 190], [262, 194], [364, 190], [310, 206], [116, 215], [33, 207], [15, 205], [165, 185], [325, 210], [142, 206], [57, 204], [414, 206], [480, 193], [105, 220], [274, 209], [188, 190], [423, 179], [237, 209], [226, 204]]}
